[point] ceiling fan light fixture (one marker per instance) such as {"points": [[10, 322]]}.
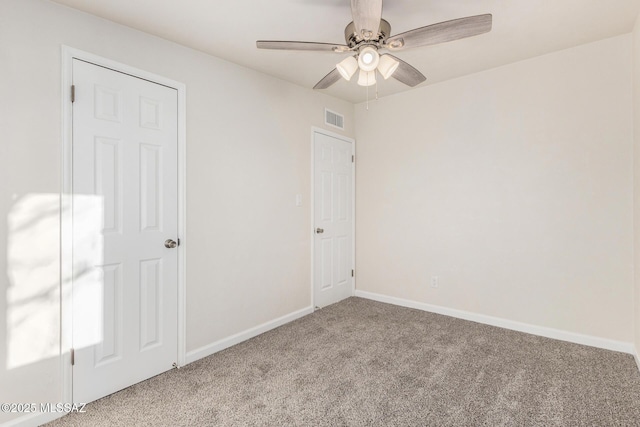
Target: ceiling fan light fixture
{"points": [[368, 32], [347, 67], [368, 59], [387, 66], [367, 78]]}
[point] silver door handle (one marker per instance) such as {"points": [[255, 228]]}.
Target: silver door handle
{"points": [[319, 230], [170, 244]]}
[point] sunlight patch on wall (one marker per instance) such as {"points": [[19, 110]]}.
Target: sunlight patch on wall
{"points": [[33, 269], [33, 299]]}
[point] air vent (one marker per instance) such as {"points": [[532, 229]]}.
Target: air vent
{"points": [[334, 119]]}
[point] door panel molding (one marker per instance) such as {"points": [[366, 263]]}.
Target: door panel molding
{"points": [[66, 266], [316, 130]]}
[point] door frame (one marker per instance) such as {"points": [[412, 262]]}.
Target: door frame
{"points": [[352, 141], [66, 220]]}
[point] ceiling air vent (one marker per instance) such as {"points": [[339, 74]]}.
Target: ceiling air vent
{"points": [[334, 119]]}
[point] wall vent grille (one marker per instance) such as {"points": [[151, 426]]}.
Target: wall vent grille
{"points": [[334, 119]]}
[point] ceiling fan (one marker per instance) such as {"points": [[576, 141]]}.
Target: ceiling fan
{"points": [[368, 33]]}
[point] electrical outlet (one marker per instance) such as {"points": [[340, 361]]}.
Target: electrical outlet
{"points": [[435, 282]]}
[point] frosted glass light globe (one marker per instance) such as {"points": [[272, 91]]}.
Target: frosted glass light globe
{"points": [[387, 66], [368, 59], [367, 78], [347, 67]]}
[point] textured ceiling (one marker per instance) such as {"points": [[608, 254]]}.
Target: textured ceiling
{"points": [[229, 29]]}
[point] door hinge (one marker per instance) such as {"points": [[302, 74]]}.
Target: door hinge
{"points": [[353, 273], [73, 357], [73, 93], [353, 158]]}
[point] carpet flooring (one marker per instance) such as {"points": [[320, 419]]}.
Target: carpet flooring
{"points": [[364, 363]]}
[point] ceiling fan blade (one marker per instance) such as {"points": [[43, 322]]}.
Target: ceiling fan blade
{"points": [[442, 32], [288, 45], [366, 17], [406, 74], [328, 80]]}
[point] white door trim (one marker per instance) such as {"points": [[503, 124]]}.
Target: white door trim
{"points": [[352, 141], [66, 266]]}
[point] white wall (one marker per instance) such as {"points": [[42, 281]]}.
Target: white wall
{"points": [[248, 155], [636, 187], [514, 186]]}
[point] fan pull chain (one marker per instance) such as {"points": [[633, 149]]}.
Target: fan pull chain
{"points": [[367, 92], [376, 86]]}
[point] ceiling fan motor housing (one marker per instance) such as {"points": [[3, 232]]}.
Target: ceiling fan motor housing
{"points": [[352, 37]]}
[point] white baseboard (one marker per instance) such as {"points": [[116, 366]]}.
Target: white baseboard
{"points": [[635, 356], [33, 420], [217, 346], [621, 346]]}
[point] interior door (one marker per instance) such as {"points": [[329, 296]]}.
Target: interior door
{"points": [[124, 213], [333, 218]]}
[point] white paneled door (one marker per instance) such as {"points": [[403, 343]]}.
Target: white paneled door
{"points": [[333, 219], [125, 278]]}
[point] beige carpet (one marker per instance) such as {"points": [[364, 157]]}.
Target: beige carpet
{"points": [[360, 363]]}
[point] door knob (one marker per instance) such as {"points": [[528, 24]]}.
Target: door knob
{"points": [[319, 230], [170, 244]]}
